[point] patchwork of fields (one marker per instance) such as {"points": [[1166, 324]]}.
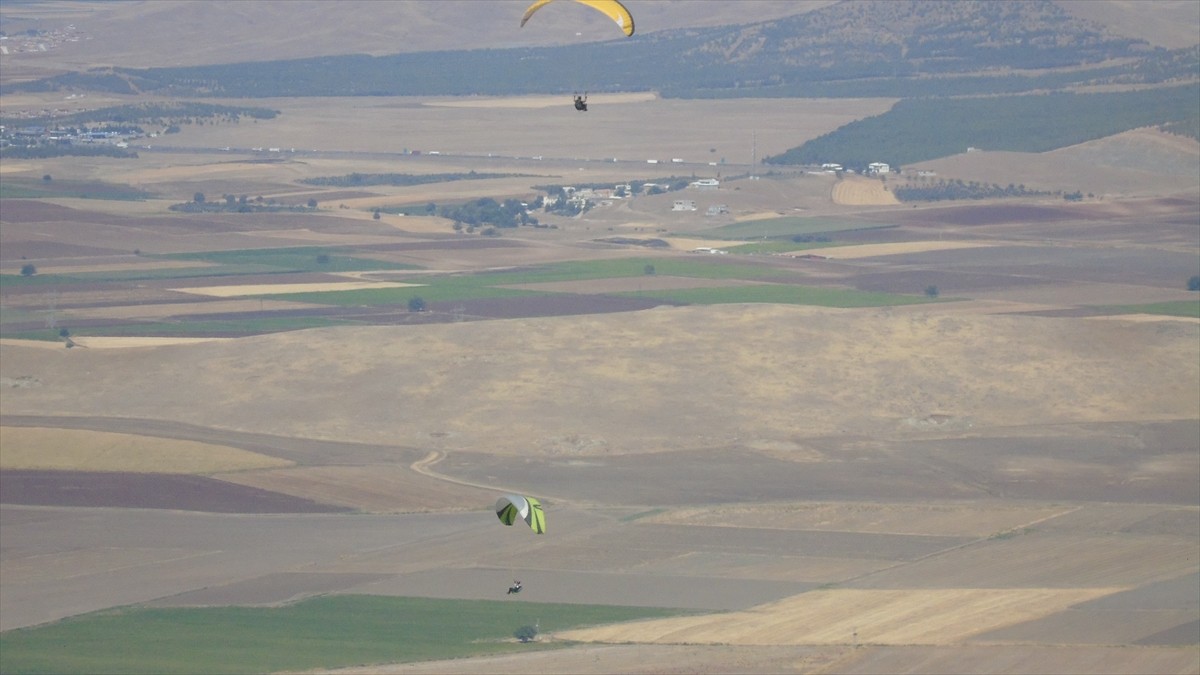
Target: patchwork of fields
{"points": [[819, 432]]}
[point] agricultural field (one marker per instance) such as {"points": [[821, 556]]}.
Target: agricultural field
{"points": [[808, 433]]}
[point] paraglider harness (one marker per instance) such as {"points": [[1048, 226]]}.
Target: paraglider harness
{"points": [[581, 102], [514, 588]]}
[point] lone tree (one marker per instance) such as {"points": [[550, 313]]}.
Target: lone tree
{"points": [[198, 198], [1193, 283], [28, 270], [526, 633], [931, 291], [312, 203], [416, 304]]}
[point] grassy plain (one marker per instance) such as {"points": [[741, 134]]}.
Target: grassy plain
{"points": [[317, 633]]}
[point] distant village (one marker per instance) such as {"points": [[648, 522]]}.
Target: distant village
{"points": [[33, 41], [43, 136]]}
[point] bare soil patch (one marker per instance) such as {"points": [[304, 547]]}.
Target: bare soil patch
{"points": [[233, 291], [164, 310], [146, 491], [383, 488]]}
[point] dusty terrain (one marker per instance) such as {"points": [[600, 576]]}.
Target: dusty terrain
{"points": [[997, 482]]}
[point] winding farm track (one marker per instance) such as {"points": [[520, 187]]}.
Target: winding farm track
{"points": [[422, 466]]}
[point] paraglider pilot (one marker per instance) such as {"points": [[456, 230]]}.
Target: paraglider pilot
{"points": [[581, 102], [514, 588]]}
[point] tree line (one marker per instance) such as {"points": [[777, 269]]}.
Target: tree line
{"points": [[916, 130]]}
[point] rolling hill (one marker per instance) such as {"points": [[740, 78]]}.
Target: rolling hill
{"points": [[869, 48]]}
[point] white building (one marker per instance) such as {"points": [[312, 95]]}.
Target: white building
{"points": [[877, 168], [706, 184], [684, 205]]}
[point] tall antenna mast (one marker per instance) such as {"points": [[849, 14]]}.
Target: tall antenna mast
{"points": [[753, 153]]}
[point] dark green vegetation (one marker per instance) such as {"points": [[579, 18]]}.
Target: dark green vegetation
{"points": [[959, 189], [1188, 308], [884, 48], [326, 632], [242, 205], [400, 179], [915, 130], [487, 211]]}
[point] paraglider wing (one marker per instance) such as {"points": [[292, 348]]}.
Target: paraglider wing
{"points": [[511, 508], [611, 8], [537, 517]]}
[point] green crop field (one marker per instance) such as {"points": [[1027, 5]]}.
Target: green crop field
{"points": [[1188, 308], [440, 290], [25, 188], [784, 294], [789, 226], [325, 632], [298, 259], [457, 287]]}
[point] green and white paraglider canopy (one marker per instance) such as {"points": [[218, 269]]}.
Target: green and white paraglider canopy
{"points": [[511, 508]]}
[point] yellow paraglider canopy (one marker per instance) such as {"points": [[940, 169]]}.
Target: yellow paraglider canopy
{"points": [[611, 8]]}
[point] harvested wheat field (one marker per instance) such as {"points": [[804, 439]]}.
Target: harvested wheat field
{"points": [[862, 192], [81, 450], [898, 617]]}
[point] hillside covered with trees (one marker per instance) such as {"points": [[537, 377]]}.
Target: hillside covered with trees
{"points": [[862, 48], [915, 130]]}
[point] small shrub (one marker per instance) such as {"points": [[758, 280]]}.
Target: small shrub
{"points": [[416, 304], [28, 270], [526, 633], [931, 291]]}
